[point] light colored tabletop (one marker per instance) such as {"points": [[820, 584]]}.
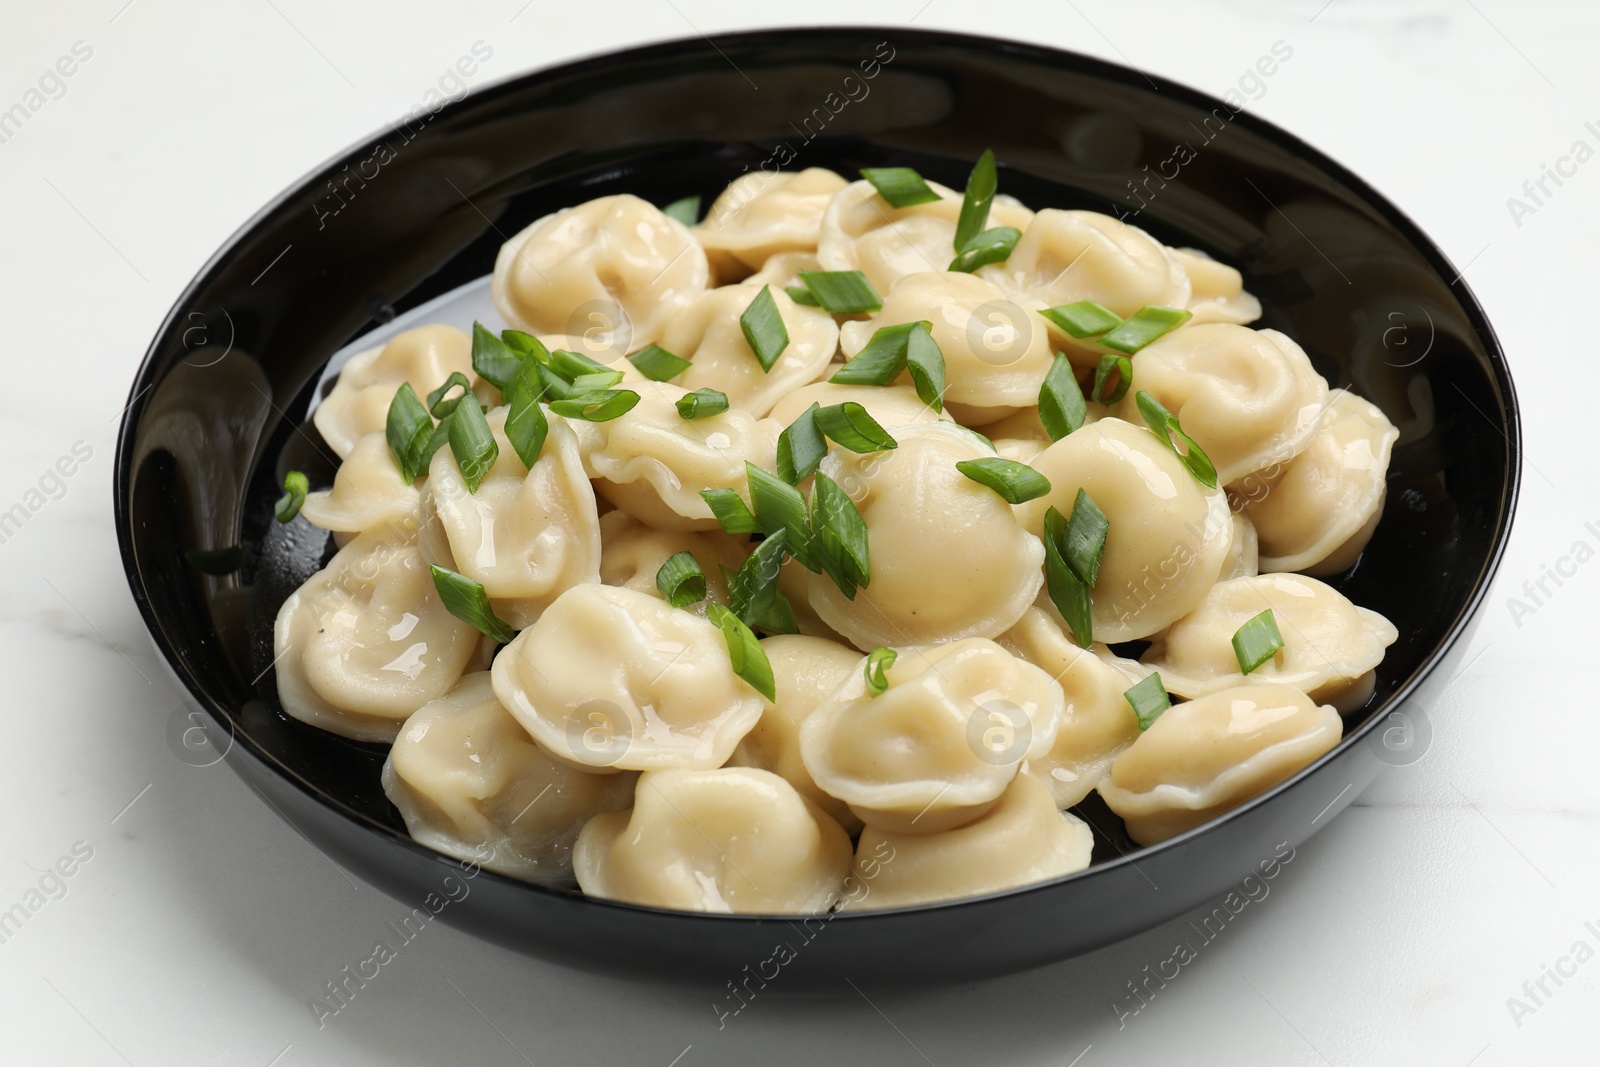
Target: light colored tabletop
{"points": [[1451, 916]]}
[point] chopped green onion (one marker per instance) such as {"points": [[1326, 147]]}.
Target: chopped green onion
{"points": [[525, 344], [849, 426], [780, 619], [436, 440], [295, 487], [407, 429], [801, 448], [218, 562], [596, 383], [493, 359], [1083, 318], [730, 511], [657, 364], [575, 365], [841, 292], [686, 211], [472, 444], [749, 659], [763, 329], [900, 186], [881, 361], [841, 536], [1085, 539], [1061, 405], [438, 406], [753, 592], [925, 363], [1144, 326], [1257, 641], [468, 601], [1111, 363], [981, 185], [1164, 424], [680, 580], [1067, 591], [1015, 482], [1148, 700], [779, 506], [596, 407], [990, 246], [526, 425], [879, 660], [702, 404], [801, 295]]}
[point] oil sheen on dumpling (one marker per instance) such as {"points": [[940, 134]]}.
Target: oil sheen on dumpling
{"points": [[1244, 551], [631, 554], [1207, 756], [948, 558], [806, 671], [889, 405], [365, 641], [528, 536], [1168, 534], [1320, 512], [708, 334], [1247, 397], [613, 678], [996, 353], [1216, 290], [367, 492], [652, 463], [761, 214], [939, 746], [359, 402], [1330, 646], [470, 783], [730, 840], [1021, 840], [616, 257]]}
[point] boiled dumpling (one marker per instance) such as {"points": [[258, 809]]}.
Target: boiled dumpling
{"points": [[761, 214], [783, 270], [939, 746], [948, 558], [1168, 534], [731, 840], [367, 492], [611, 677], [1320, 512], [708, 334], [470, 783], [1207, 756], [1021, 840], [631, 554], [1244, 551], [365, 641], [615, 267], [1216, 290], [1330, 646], [890, 405], [359, 403]]}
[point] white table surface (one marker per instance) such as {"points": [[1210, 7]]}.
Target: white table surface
{"points": [[202, 925]]}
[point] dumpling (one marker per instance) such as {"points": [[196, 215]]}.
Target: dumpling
{"points": [[708, 334], [359, 402], [367, 492], [652, 463], [470, 783], [1330, 646], [613, 678], [1320, 512], [860, 231], [1244, 551], [938, 747], [761, 214], [1216, 290], [947, 556], [1207, 756], [1096, 721], [890, 405], [996, 353], [1168, 534], [631, 553], [528, 536], [365, 641], [730, 840], [1021, 840], [783, 270], [615, 267], [1247, 397], [806, 671]]}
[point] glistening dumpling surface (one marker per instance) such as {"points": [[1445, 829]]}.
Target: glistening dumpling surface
{"points": [[359, 402], [761, 214], [890, 405], [1216, 290], [367, 492]]}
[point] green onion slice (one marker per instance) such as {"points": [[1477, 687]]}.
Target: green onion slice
{"points": [[730, 511], [925, 363], [1257, 641], [657, 364], [801, 448], [841, 292], [1111, 363], [841, 536], [575, 365], [1164, 424], [1148, 700], [686, 211], [681, 581], [801, 295], [879, 660], [600, 406], [493, 359], [849, 426], [526, 425], [436, 440], [1085, 539], [779, 506], [1083, 318], [1067, 591], [525, 345], [763, 328], [407, 429], [753, 592], [596, 383], [1015, 482], [467, 601], [990, 246], [218, 562], [881, 361], [981, 186], [295, 487], [472, 444], [1146, 324], [780, 619], [744, 651], [900, 186], [702, 404], [1061, 405], [438, 406]]}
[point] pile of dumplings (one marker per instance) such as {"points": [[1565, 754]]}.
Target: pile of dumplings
{"points": [[615, 744]]}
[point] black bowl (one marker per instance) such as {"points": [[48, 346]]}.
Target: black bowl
{"points": [[218, 409]]}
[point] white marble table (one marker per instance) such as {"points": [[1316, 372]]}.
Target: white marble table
{"points": [[195, 925]]}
